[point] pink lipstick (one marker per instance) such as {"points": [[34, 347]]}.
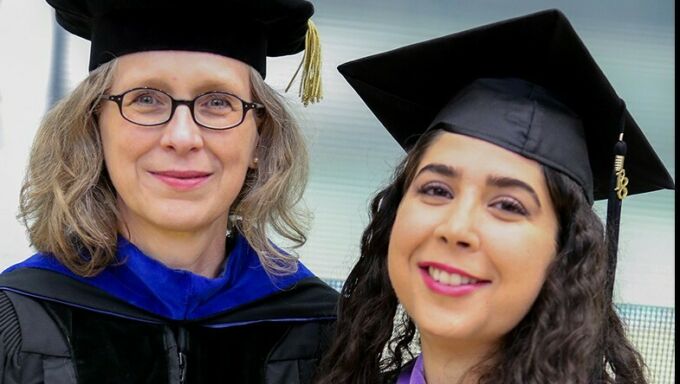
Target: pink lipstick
{"points": [[449, 281]]}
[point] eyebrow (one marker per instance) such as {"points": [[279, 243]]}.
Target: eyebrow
{"points": [[495, 181], [210, 85], [218, 85], [509, 182], [441, 169]]}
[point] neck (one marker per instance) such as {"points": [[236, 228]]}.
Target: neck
{"points": [[201, 252], [452, 361]]}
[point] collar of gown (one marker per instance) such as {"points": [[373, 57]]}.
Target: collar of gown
{"points": [[413, 373], [175, 294]]}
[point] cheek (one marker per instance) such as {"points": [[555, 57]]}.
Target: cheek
{"points": [[233, 150], [121, 172], [406, 237], [413, 225], [540, 250], [113, 132], [124, 148], [113, 156], [395, 258], [403, 236], [233, 163], [398, 273], [524, 270]]}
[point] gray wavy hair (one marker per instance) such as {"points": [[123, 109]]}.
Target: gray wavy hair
{"points": [[68, 202]]}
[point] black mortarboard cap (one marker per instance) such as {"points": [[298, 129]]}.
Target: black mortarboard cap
{"points": [[543, 97], [246, 30]]}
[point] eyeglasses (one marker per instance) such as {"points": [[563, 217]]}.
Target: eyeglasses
{"points": [[212, 110]]}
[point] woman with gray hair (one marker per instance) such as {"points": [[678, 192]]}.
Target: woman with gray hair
{"points": [[149, 193]]}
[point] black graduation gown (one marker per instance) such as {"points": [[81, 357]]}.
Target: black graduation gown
{"points": [[70, 331]]}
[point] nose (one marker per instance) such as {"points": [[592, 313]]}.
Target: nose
{"points": [[181, 134], [458, 227]]}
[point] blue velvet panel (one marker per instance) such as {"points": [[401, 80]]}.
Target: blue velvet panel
{"points": [[176, 294]]}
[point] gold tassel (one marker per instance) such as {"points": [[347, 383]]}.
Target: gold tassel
{"points": [[621, 179], [310, 84]]}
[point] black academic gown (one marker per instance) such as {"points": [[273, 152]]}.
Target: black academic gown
{"points": [[136, 323]]}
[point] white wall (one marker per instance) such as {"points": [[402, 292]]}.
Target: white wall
{"points": [[25, 45]]}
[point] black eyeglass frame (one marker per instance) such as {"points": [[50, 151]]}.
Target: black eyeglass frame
{"points": [[247, 106]]}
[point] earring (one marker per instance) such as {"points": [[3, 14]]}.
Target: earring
{"points": [[255, 160]]}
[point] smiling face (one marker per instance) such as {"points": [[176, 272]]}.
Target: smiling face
{"points": [[177, 177], [472, 240]]}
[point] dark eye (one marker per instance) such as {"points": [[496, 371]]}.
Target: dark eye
{"points": [[510, 206], [435, 190]]}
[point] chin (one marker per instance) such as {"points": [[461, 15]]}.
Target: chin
{"points": [[447, 325], [441, 330], [186, 221], [181, 217], [467, 333], [182, 224]]}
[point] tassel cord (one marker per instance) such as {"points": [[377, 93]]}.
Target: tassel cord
{"points": [[310, 90]]}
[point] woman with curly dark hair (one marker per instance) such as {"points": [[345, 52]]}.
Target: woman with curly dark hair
{"points": [[485, 249]]}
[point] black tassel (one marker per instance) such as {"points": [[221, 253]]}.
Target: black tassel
{"points": [[617, 192]]}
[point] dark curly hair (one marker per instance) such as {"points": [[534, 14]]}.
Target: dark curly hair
{"points": [[571, 334]]}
